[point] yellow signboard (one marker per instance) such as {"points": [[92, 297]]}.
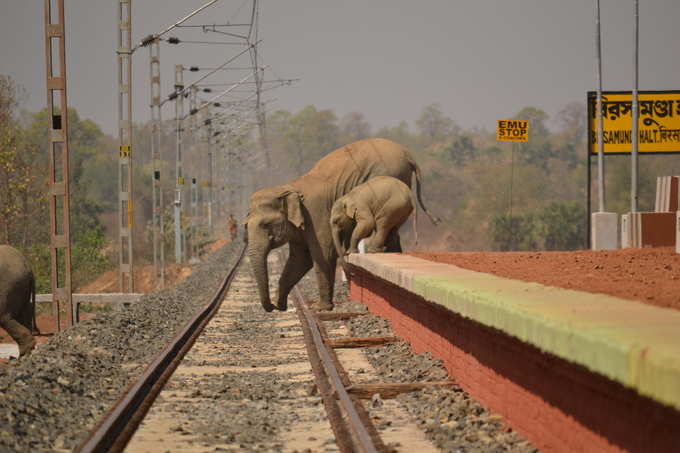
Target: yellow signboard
{"points": [[512, 131], [658, 127]]}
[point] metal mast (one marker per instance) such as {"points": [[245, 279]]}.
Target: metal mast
{"points": [[179, 107], [635, 116], [158, 225], [125, 275], [58, 153], [598, 111]]}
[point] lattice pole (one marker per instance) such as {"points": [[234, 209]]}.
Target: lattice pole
{"points": [[125, 274], [57, 108], [158, 225], [208, 123], [179, 111], [193, 202]]}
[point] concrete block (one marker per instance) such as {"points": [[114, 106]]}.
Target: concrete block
{"points": [[667, 194], [648, 229], [605, 231]]}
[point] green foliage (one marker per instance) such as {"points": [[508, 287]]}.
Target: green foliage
{"points": [[515, 232], [557, 226], [88, 259]]}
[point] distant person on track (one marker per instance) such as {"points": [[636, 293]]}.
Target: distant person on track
{"points": [[232, 227]]}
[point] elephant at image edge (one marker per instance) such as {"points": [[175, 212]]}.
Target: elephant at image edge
{"points": [[376, 208], [17, 298], [298, 214]]}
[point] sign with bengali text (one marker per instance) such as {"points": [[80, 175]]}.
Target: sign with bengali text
{"points": [[658, 127]]}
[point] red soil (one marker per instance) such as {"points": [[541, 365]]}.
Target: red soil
{"points": [[649, 275]]}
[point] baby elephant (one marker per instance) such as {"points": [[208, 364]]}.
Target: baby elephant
{"points": [[376, 208], [17, 298]]}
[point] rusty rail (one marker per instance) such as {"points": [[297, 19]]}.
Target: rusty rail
{"points": [[332, 389], [115, 430]]}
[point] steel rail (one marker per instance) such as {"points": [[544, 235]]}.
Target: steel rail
{"points": [[362, 437], [115, 430]]}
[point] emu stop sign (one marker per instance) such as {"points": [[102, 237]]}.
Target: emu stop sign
{"points": [[512, 131]]}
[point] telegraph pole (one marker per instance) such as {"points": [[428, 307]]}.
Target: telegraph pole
{"points": [[125, 275], [158, 226], [179, 112], [58, 153]]}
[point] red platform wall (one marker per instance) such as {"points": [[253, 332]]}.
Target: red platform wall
{"points": [[557, 405]]}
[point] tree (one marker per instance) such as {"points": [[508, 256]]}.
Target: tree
{"points": [[434, 126], [561, 226], [353, 127], [461, 149], [307, 136], [538, 149]]}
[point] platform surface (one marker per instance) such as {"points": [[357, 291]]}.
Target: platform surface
{"points": [[629, 342], [8, 350]]}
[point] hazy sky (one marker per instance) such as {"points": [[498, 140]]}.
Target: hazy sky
{"points": [[481, 60]]}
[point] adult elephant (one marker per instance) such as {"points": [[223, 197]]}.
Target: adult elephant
{"points": [[17, 298], [298, 214]]}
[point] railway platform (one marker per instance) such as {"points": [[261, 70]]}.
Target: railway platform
{"points": [[569, 370]]}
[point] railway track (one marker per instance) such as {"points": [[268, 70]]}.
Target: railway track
{"points": [[298, 395]]}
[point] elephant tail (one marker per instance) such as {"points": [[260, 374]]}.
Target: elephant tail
{"points": [[416, 169], [33, 305], [415, 227]]}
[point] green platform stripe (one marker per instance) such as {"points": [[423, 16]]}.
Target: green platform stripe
{"points": [[632, 343]]}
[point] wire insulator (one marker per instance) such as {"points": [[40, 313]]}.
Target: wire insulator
{"points": [[148, 40], [217, 104], [193, 111], [217, 133], [172, 96], [207, 90], [207, 122], [193, 68], [173, 40]]}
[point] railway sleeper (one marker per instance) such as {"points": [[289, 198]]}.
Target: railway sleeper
{"points": [[390, 390]]}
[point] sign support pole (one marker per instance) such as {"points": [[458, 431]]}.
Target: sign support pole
{"points": [[635, 117], [58, 152]]}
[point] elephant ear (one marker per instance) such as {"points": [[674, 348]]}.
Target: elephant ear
{"points": [[292, 207], [350, 210]]}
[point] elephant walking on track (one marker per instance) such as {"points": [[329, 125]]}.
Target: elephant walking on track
{"points": [[298, 214], [17, 298]]}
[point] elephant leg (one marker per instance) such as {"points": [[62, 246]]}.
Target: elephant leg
{"points": [[19, 333], [361, 230], [325, 277], [298, 264], [393, 243], [376, 243]]}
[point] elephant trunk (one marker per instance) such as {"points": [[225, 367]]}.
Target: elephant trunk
{"points": [[337, 240], [258, 264]]}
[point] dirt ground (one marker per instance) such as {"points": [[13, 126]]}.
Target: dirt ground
{"points": [[649, 275]]}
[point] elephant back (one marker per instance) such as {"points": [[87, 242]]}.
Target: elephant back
{"points": [[354, 164]]}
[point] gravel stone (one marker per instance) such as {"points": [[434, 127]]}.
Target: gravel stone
{"points": [[52, 398], [452, 420]]}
